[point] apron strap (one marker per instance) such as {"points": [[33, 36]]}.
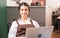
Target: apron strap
{"points": [[17, 22], [31, 21]]}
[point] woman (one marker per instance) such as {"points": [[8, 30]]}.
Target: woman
{"points": [[19, 26]]}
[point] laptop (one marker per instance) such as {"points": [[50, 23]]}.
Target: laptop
{"points": [[41, 32]]}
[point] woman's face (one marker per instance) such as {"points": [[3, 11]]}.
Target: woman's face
{"points": [[24, 11]]}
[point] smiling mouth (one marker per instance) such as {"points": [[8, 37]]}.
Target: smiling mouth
{"points": [[25, 14]]}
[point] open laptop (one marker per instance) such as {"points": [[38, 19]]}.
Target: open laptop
{"points": [[41, 32]]}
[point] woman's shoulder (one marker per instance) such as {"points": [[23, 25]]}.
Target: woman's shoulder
{"points": [[14, 24], [15, 20], [34, 21]]}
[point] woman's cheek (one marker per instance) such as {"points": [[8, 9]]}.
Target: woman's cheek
{"points": [[20, 13]]}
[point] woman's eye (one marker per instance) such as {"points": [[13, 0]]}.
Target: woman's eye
{"points": [[21, 9], [25, 9]]}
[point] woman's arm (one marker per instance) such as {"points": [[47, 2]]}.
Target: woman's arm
{"points": [[13, 30]]}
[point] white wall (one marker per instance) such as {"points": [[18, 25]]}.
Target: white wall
{"points": [[13, 3], [27, 1], [50, 6]]}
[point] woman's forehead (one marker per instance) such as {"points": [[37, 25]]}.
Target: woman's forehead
{"points": [[23, 7]]}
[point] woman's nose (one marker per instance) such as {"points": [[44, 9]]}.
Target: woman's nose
{"points": [[24, 11]]}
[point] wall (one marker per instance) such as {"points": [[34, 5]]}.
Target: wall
{"points": [[27, 1], [13, 3], [50, 6], [36, 13]]}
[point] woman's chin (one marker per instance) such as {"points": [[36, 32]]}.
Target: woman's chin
{"points": [[24, 16]]}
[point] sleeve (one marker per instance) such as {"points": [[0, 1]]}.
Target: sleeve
{"points": [[35, 23], [13, 30]]}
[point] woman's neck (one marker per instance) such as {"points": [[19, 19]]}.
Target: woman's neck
{"points": [[23, 18]]}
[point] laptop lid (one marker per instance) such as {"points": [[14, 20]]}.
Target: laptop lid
{"points": [[41, 32]]}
